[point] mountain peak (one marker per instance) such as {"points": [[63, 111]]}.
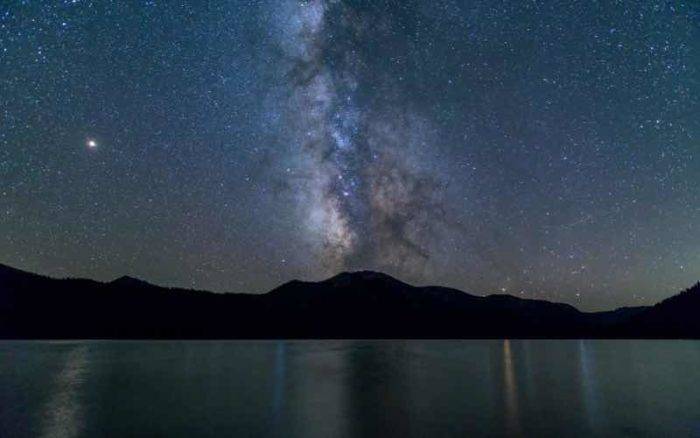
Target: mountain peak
{"points": [[356, 280], [361, 276], [128, 281]]}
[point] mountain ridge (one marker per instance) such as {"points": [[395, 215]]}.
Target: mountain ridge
{"points": [[361, 304]]}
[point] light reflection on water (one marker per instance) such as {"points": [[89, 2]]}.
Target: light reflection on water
{"points": [[61, 416], [589, 386], [279, 382], [511, 395], [350, 388]]}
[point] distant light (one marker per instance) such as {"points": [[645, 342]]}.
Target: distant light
{"points": [[91, 143]]}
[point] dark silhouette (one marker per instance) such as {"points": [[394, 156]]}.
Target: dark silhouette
{"points": [[349, 305]]}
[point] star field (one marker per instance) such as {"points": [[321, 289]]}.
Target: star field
{"points": [[546, 149]]}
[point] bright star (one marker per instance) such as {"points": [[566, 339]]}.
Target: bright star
{"points": [[91, 143]]}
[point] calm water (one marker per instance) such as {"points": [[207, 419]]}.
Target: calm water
{"points": [[350, 388]]}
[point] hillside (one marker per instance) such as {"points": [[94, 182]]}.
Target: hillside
{"points": [[349, 305]]}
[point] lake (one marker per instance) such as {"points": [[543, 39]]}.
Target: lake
{"points": [[349, 388]]}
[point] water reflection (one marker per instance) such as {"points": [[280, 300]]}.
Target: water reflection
{"points": [[315, 399], [527, 380], [378, 389], [589, 386], [62, 414], [355, 388], [279, 381], [511, 391], [350, 388]]}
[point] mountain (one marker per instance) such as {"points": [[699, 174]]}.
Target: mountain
{"points": [[674, 317], [349, 305]]}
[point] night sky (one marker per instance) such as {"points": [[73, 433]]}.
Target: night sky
{"points": [[546, 149]]}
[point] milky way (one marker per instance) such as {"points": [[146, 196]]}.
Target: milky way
{"points": [[367, 200]]}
